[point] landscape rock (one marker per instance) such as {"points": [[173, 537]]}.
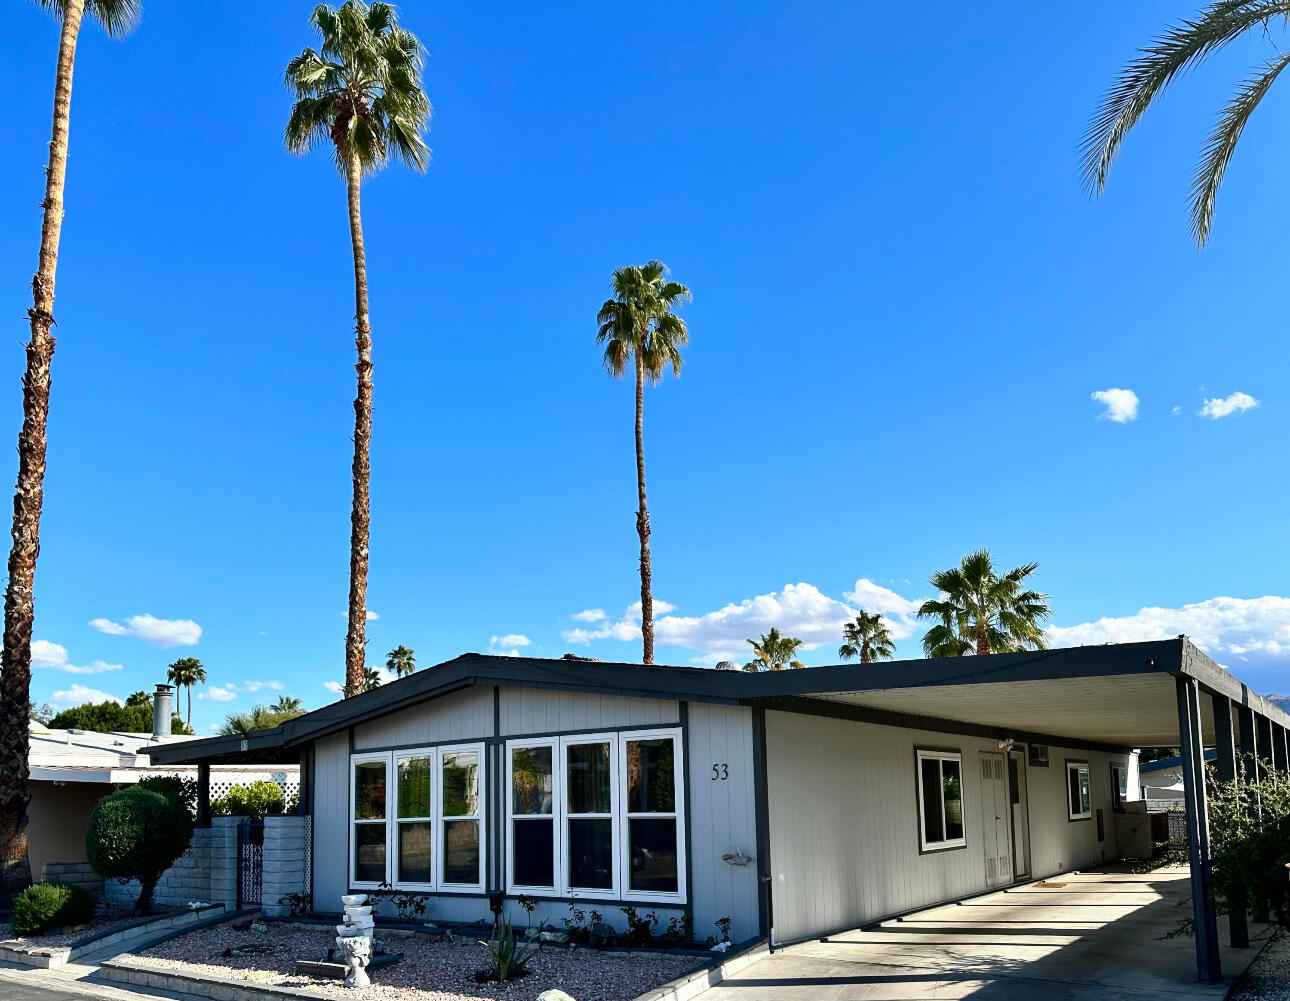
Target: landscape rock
{"points": [[554, 994]]}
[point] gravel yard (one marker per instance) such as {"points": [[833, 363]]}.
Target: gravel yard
{"points": [[106, 917], [1268, 978], [430, 971]]}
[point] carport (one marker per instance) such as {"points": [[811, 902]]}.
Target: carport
{"points": [[1162, 693], [1085, 937]]}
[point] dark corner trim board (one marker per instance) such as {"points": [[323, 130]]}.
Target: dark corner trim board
{"points": [[761, 809], [932, 724]]}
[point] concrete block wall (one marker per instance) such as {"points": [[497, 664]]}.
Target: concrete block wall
{"points": [[79, 874], [207, 871], [284, 862]]}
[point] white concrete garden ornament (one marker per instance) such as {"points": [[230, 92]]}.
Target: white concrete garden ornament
{"points": [[357, 950]]}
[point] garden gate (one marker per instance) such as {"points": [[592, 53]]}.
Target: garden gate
{"points": [[250, 863]]}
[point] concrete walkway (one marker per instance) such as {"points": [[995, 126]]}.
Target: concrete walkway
{"points": [[1095, 937]]}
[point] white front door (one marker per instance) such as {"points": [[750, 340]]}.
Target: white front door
{"points": [[995, 808], [1020, 813]]}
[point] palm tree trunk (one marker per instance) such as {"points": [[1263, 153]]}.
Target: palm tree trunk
{"points": [[642, 522], [19, 601], [982, 640], [360, 514], [189, 723]]}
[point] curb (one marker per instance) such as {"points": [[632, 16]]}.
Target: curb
{"points": [[690, 985], [126, 936], [127, 972]]}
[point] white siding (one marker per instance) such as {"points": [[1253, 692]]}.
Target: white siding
{"points": [[722, 817], [464, 715], [331, 822], [534, 710], [844, 822]]}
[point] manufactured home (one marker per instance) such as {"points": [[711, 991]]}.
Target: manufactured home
{"points": [[794, 803]]}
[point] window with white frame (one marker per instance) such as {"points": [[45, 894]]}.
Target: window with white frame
{"points": [[940, 800], [416, 818], [1079, 793], [597, 815], [1119, 786]]}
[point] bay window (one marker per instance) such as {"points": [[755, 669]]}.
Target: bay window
{"points": [[597, 816], [416, 819]]}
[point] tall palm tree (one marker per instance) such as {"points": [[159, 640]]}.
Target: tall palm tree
{"points": [[980, 611], [360, 92], [288, 704], [774, 652], [866, 638], [1180, 48], [401, 661], [371, 679], [186, 672], [116, 17], [639, 328]]}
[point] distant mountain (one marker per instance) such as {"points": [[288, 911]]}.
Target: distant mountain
{"points": [[1282, 702]]}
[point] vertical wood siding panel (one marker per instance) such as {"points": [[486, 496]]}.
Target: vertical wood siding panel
{"points": [[331, 822], [464, 715], [531, 710]]}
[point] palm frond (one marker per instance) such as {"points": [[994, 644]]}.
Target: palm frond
{"points": [[1222, 144], [1146, 77]]}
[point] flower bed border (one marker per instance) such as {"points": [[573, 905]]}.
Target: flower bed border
{"points": [[134, 973], [50, 957]]}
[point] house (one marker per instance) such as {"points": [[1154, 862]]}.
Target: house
{"points": [[71, 770], [1162, 781], [794, 803]]}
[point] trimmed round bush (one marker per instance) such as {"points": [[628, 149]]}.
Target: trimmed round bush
{"points": [[49, 905], [137, 834]]}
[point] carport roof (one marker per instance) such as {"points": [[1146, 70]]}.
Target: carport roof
{"points": [[1119, 695]]}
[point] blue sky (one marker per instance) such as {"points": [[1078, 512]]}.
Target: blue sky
{"points": [[903, 301]]}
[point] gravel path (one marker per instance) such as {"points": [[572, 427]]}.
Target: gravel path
{"points": [[430, 971], [1268, 978]]}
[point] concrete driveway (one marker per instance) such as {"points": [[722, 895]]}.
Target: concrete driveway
{"points": [[1091, 936]]}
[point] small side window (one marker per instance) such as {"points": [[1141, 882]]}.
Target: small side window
{"points": [[940, 800], [1079, 793]]}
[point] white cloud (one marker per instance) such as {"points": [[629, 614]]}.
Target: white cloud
{"points": [[589, 615], [255, 686], [1176, 411], [1222, 627], [508, 645], [47, 654], [154, 631], [1218, 407], [54, 655], [372, 616], [334, 686], [217, 694], [1121, 405], [78, 694]]}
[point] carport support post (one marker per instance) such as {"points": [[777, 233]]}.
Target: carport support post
{"points": [[204, 794], [1225, 759], [1208, 963]]}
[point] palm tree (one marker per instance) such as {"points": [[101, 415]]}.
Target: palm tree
{"points": [[866, 638], [1180, 48], [288, 704], [360, 92], [774, 652], [981, 612], [371, 679], [401, 661], [638, 327], [258, 718], [116, 17], [186, 672], [138, 699]]}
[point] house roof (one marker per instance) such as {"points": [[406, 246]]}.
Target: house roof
{"points": [[1174, 762], [1118, 695]]}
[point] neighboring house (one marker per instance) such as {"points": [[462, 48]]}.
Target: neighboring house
{"points": [[1162, 781], [71, 770], [795, 803]]}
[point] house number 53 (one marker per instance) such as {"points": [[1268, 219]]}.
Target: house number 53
{"points": [[720, 772]]}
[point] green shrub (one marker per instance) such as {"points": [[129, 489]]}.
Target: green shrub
{"points": [[183, 791], [510, 955], [260, 799], [137, 834], [50, 905], [1249, 831]]}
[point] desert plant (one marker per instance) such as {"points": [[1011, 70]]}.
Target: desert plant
{"points": [[137, 834], [408, 907], [510, 955], [298, 904], [1249, 830], [723, 926], [50, 905], [260, 799], [679, 930]]}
